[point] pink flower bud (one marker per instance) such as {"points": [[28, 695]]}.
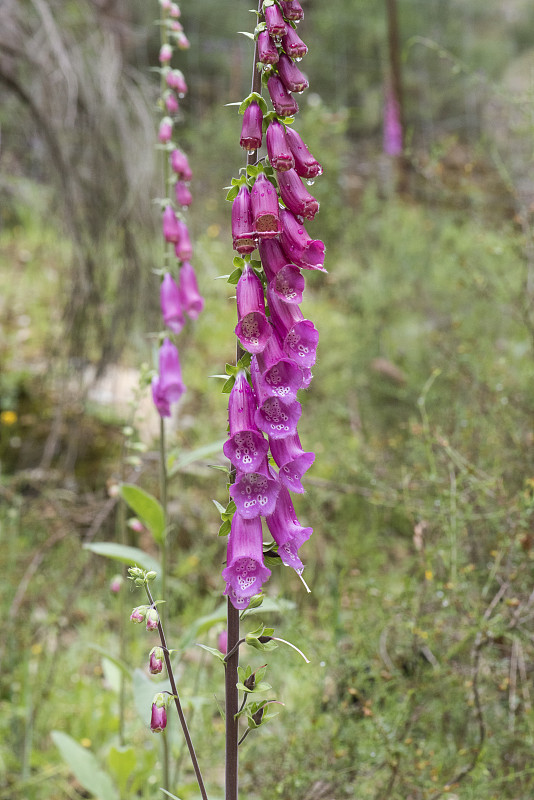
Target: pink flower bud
{"points": [[115, 584], [138, 615], [165, 53], [182, 193], [295, 196], [278, 149], [175, 80], [291, 76], [152, 619], [171, 304], [292, 10], [171, 103], [305, 164], [158, 721], [175, 10], [182, 41], [165, 130], [180, 165], [171, 227], [274, 21], [155, 660], [222, 642], [136, 525], [293, 44]]}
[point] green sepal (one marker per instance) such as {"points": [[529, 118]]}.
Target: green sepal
{"points": [[228, 386], [225, 528], [232, 194], [234, 277], [238, 262], [213, 651], [267, 3], [259, 688], [253, 97], [262, 26], [220, 508], [247, 34]]}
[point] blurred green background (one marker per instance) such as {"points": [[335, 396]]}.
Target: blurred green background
{"points": [[419, 624]]}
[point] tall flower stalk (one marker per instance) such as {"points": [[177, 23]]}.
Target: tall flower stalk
{"points": [[277, 344]]}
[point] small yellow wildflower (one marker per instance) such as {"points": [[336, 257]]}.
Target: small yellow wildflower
{"points": [[8, 417]]}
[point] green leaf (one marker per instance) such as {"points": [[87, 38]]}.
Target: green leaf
{"points": [[122, 762], [233, 278], [227, 388], [247, 34], [168, 794], [225, 528], [85, 767], [238, 262], [213, 651], [232, 193], [125, 554], [220, 508], [122, 665], [147, 508], [112, 674]]}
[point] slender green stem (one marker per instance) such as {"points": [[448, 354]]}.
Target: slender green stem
{"points": [[177, 703]]}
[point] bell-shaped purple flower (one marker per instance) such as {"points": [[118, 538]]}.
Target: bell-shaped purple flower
{"points": [[158, 721], [305, 164], [155, 660], [292, 461], [265, 209], [165, 130], [292, 10], [295, 195], [278, 149], [278, 418], [243, 234], [245, 571], [175, 80], [183, 247], [283, 103], [255, 493], [180, 165], [300, 248], [191, 299], [291, 76], [251, 132], [171, 304], [288, 284], [293, 44], [267, 50], [279, 376], [274, 21], [171, 225], [152, 619], [167, 387], [272, 257], [287, 531], [253, 328], [182, 193], [300, 338], [246, 448], [392, 125]]}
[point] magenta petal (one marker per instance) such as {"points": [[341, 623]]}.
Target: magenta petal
{"points": [[251, 133], [253, 328], [283, 103], [267, 50], [243, 234], [292, 461], [171, 304], [305, 164], [182, 193], [280, 376], [245, 571], [160, 401], [192, 300], [278, 418], [246, 450], [291, 76], [170, 374], [255, 493], [292, 10], [278, 149], [295, 196], [293, 44], [274, 21], [183, 247], [286, 530], [180, 165], [265, 210], [300, 337], [171, 225], [299, 247], [288, 284], [272, 257]]}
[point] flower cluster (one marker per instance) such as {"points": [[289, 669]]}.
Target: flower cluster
{"points": [[270, 203], [179, 295]]}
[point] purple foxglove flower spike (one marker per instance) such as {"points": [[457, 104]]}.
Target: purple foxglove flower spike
{"points": [[243, 234], [251, 133], [175, 80], [255, 493], [158, 721], [295, 195], [191, 299], [299, 247], [168, 386], [392, 125], [283, 103], [165, 130], [305, 164], [246, 448], [278, 149], [183, 247], [292, 10], [183, 195], [171, 304], [299, 335], [293, 44], [274, 21], [267, 50], [253, 328], [290, 75], [171, 226], [286, 530], [171, 103], [292, 461], [279, 375], [265, 210], [180, 165], [155, 660], [245, 571]]}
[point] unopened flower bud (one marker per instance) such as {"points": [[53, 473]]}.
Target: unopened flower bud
{"points": [[175, 10], [171, 103], [139, 614], [150, 575], [115, 585], [158, 721], [258, 716], [250, 682], [136, 525], [165, 53], [152, 619], [165, 130], [182, 41], [135, 572], [155, 661]]}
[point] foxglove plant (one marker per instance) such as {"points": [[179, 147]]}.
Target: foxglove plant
{"points": [[276, 346]]}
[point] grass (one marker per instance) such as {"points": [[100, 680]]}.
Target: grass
{"points": [[421, 499]]}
